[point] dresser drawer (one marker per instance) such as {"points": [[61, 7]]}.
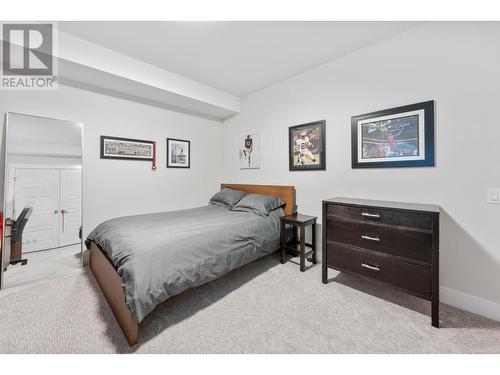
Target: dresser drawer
{"points": [[407, 219], [391, 240], [413, 278]]}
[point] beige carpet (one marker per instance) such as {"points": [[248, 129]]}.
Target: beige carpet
{"points": [[44, 264], [262, 308]]}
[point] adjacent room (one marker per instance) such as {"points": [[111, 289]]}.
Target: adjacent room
{"points": [[250, 187], [43, 168]]}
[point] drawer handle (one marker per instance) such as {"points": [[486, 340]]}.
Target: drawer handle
{"points": [[370, 238], [366, 214], [370, 267]]}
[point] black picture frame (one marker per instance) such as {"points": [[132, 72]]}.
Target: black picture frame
{"points": [[292, 154], [428, 137], [169, 162], [125, 157]]}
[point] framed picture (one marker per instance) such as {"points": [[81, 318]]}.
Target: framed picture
{"points": [[178, 153], [250, 151], [396, 137], [126, 148], [307, 146]]}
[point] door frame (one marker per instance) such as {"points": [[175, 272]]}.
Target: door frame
{"points": [[4, 174]]}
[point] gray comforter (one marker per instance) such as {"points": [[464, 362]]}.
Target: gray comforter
{"points": [[160, 255]]}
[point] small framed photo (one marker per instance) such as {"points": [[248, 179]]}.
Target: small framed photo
{"points": [[394, 138], [250, 151], [178, 153], [126, 148], [307, 146]]}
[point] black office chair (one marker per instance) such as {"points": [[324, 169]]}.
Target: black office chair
{"points": [[16, 239]]}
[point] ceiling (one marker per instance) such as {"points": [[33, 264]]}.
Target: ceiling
{"points": [[236, 57]]}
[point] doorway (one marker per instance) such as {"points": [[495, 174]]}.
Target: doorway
{"points": [[42, 206], [56, 193]]}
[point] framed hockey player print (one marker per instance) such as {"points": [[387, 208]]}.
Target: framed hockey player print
{"points": [[307, 146], [250, 151]]}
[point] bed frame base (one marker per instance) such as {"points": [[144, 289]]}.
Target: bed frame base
{"points": [[111, 286]]}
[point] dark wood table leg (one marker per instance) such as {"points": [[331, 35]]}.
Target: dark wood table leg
{"points": [[282, 242], [302, 248], [314, 259]]}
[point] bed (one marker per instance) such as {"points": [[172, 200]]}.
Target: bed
{"points": [[141, 261]]}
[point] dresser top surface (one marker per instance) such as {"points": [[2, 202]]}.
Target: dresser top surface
{"points": [[385, 204]]}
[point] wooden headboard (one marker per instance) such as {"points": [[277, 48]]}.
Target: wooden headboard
{"points": [[286, 193]]}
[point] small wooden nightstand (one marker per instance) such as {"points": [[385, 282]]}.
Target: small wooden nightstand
{"points": [[299, 222]]}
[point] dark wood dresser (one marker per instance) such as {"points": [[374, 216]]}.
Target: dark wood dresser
{"points": [[394, 243]]}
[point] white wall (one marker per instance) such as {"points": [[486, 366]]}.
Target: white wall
{"points": [[455, 64], [122, 187]]}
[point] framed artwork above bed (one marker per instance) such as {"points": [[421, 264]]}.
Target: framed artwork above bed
{"points": [[250, 151], [126, 148], [178, 153], [395, 137]]}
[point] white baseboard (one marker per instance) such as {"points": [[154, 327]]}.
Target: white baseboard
{"points": [[468, 302]]}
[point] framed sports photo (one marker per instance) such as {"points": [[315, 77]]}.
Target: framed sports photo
{"points": [[250, 151], [394, 138], [178, 153], [306, 143], [126, 148]]}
